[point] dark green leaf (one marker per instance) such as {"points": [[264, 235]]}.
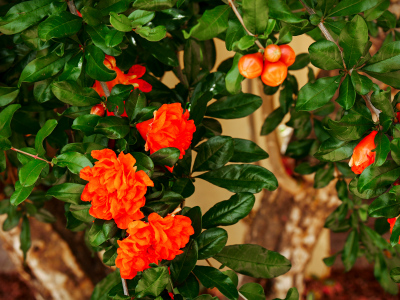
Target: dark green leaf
{"points": [[382, 148], [86, 123], [272, 121], [350, 250], [324, 176], [347, 94], [255, 15], [278, 9], [113, 127], [67, 192], [8, 95], [247, 151], [44, 132], [153, 282], [233, 78], [25, 236], [351, 7], [325, 55], [302, 60], [378, 177], [21, 193], [154, 4], [59, 26], [381, 100], [233, 107], [190, 287], [386, 206], [120, 22], [74, 161], [252, 291], [166, 156], [71, 93], [362, 84], [29, 173], [211, 242], [141, 17], [95, 67], [5, 119], [184, 263]]}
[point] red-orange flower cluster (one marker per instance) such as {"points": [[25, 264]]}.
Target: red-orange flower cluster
{"points": [[160, 238], [170, 127], [115, 189], [362, 154]]}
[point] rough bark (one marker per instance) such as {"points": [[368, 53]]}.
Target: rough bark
{"points": [[51, 268]]}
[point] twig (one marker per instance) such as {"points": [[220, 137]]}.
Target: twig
{"points": [[105, 89], [125, 287], [72, 7], [31, 155], [329, 37], [231, 4], [209, 263]]}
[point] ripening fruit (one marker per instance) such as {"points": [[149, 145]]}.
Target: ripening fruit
{"points": [[398, 106], [251, 65], [288, 56], [274, 74], [272, 53], [98, 109]]}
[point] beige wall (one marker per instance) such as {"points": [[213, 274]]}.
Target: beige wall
{"points": [[207, 195]]}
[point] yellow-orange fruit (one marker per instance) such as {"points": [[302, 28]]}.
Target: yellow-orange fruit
{"points": [[272, 53], [251, 65], [274, 74], [287, 55]]}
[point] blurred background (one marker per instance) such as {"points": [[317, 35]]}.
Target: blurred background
{"points": [[289, 220]]}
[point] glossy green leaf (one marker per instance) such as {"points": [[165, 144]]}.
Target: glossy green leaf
{"points": [[152, 34], [44, 132], [367, 194], [113, 127], [59, 26], [153, 282], [254, 261], [120, 22], [72, 69], [71, 93], [74, 161], [5, 119], [247, 151], [184, 263], [334, 150], [230, 211], [233, 78], [252, 291], [141, 17], [29, 174], [67, 192], [190, 287], [302, 60], [325, 55], [214, 153], [8, 95], [324, 176], [154, 4], [95, 67], [272, 121], [386, 206], [347, 94], [278, 9], [378, 177], [242, 178], [86, 123], [382, 148], [166, 156], [233, 107], [98, 34], [317, 94], [21, 193], [351, 7], [255, 15], [211, 242], [381, 100], [362, 84]]}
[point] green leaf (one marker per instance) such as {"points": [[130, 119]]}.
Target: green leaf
{"points": [[376, 11], [120, 22], [353, 125], [233, 78], [114, 38], [44, 132], [254, 261], [367, 194], [395, 150], [152, 34], [324, 176], [234, 33], [98, 35], [8, 95], [394, 238], [387, 59], [86, 124], [95, 67], [74, 161], [386, 206], [21, 193], [347, 94], [154, 4], [81, 212], [362, 84], [252, 291], [255, 15], [230, 211], [29, 174], [353, 39], [378, 177], [350, 250], [214, 153], [325, 55], [247, 151], [351, 7], [184, 263], [395, 274], [72, 69], [382, 148], [67, 192], [28, 13], [190, 287], [211, 242], [302, 60], [71, 93], [242, 178], [113, 127], [381, 100], [272, 121], [25, 236], [43, 67], [143, 162], [166, 156], [5, 119], [59, 26], [390, 78], [212, 23], [292, 294], [278, 9], [5, 144], [141, 17], [153, 282], [105, 285], [192, 60], [233, 107], [334, 150], [317, 94], [109, 256]]}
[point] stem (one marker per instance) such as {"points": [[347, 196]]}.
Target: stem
{"points": [[31, 155], [125, 287], [231, 4], [105, 89], [72, 7], [329, 37], [209, 263]]}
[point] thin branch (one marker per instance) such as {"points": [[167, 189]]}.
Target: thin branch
{"points": [[105, 89], [31, 155], [125, 287], [72, 7], [329, 37], [231, 4], [209, 263]]}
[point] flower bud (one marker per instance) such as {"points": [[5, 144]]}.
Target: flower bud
{"points": [[98, 109], [362, 155]]}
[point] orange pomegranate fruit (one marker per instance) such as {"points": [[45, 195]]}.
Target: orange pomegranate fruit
{"points": [[274, 74], [251, 65], [98, 109], [287, 55], [272, 53]]}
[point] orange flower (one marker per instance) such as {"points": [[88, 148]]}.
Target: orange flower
{"points": [[160, 238], [391, 221], [362, 155], [170, 127], [115, 189]]}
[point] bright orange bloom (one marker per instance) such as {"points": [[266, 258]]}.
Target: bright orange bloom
{"points": [[392, 221], [362, 154], [160, 238], [115, 189], [170, 127]]}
